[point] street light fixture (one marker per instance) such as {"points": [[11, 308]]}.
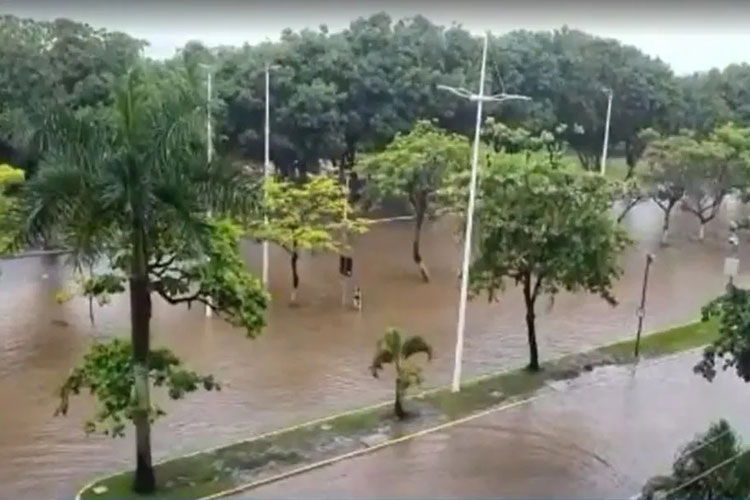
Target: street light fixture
{"points": [[479, 98], [609, 93]]}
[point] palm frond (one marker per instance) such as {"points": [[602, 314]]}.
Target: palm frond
{"points": [[383, 356], [414, 345]]}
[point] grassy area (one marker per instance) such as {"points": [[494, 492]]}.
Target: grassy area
{"points": [[210, 472]]}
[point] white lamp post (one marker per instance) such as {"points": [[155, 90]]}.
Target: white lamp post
{"points": [[267, 162], [479, 98], [606, 129], [209, 143]]}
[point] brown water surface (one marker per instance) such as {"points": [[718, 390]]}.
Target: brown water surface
{"points": [[311, 359]]}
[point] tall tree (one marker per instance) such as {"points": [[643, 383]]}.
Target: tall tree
{"points": [[547, 229], [135, 191], [668, 173], [414, 166], [312, 214]]}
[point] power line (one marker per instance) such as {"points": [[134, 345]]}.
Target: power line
{"points": [[706, 473]]}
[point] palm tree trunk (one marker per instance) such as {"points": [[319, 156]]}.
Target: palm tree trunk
{"points": [[529, 299], [140, 318], [398, 407], [295, 275], [415, 247]]}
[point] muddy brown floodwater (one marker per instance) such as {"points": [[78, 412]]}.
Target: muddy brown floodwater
{"points": [[311, 359], [602, 435]]}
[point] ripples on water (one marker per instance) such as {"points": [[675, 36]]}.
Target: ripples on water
{"points": [[311, 359]]}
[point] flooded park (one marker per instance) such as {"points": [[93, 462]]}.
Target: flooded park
{"points": [[312, 358]]}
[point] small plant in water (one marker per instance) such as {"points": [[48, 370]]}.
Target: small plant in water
{"points": [[394, 348]]}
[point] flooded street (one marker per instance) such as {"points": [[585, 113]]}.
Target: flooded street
{"points": [[312, 359], [602, 435]]}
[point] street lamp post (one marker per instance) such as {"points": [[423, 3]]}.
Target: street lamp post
{"points": [[209, 143], [479, 98], [267, 161], [642, 309], [606, 129]]}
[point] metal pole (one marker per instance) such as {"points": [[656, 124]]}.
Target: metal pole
{"points": [[642, 308], [606, 131], [456, 385], [266, 171], [209, 147], [344, 277]]}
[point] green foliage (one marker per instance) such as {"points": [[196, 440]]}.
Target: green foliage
{"points": [[507, 139], [131, 187], [220, 279], [107, 372], [554, 225], [397, 349], [9, 178], [699, 172], [546, 229], [313, 214], [720, 449], [732, 348], [414, 167]]}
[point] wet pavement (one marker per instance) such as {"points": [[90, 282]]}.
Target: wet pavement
{"points": [[602, 435], [312, 359]]}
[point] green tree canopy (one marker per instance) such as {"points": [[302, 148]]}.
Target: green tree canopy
{"points": [[546, 229], [414, 167], [732, 348], [313, 214], [134, 189]]}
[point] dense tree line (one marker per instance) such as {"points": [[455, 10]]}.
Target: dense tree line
{"points": [[336, 95]]}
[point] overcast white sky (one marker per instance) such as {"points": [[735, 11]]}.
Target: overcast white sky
{"points": [[689, 35]]}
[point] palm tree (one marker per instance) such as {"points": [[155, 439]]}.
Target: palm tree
{"points": [[132, 186], [393, 348]]}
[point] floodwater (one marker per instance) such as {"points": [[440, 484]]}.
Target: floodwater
{"points": [[602, 435], [312, 359]]}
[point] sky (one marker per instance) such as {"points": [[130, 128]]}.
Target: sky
{"points": [[689, 35]]}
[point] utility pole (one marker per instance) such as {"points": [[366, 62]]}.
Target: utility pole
{"points": [[266, 171], [609, 93], [209, 146], [642, 309], [479, 98]]}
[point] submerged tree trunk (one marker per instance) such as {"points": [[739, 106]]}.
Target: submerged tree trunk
{"points": [[295, 276], [702, 231], [398, 407], [667, 209], [140, 317], [665, 229], [415, 247], [529, 299]]}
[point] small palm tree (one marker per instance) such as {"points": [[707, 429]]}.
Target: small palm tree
{"points": [[393, 348]]}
